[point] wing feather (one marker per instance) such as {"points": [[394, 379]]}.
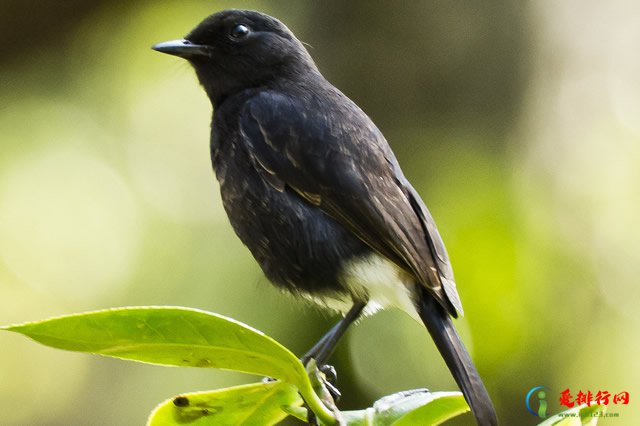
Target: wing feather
{"points": [[343, 165]]}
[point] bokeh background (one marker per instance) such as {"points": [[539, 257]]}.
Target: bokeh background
{"points": [[518, 122]]}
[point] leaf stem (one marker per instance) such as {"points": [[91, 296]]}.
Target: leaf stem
{"points": [[316, 405], [325, 411]]}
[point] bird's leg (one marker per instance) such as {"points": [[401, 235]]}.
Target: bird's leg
{"points": [[322, 350], [317, 348]]}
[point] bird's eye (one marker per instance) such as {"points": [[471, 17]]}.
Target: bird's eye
{"points": [[239, 31]]}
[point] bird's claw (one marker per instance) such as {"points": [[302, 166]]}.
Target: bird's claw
{"points": [[330, 373]]}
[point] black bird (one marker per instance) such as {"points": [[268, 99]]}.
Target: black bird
{"points": [[314, 191]]}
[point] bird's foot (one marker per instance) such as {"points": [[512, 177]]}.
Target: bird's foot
{"points": [[330, 380], [326, 376]]}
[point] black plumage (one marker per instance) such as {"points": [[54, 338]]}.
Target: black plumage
{"points": [[313, 189]]}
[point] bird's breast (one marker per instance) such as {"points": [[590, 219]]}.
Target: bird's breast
{"points": [[296, 244]]}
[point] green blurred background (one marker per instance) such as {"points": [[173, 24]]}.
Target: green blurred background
{"points": [[518, 122]]}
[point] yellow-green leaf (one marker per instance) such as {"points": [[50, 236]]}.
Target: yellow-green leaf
{"points": [[254, 404]]}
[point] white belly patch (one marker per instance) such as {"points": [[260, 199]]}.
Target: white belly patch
{"points": [[380, 281]]}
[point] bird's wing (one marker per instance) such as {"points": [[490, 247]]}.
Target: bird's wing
{"points": [[339, 161]]}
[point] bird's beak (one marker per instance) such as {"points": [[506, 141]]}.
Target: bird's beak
{"points": [[182, 48]]}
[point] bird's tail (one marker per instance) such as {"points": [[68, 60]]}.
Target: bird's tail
{"points": [[441, 328]]}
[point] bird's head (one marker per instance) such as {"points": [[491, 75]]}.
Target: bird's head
{"points": [[234, 50]]}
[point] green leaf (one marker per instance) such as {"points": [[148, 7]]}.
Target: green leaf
{"points": [[169, 336], [582, 415], [176, 336], [408, 408], [441, 407], [254, 404]]}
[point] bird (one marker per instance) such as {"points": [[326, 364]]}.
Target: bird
{"points": [[312, 188]]}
